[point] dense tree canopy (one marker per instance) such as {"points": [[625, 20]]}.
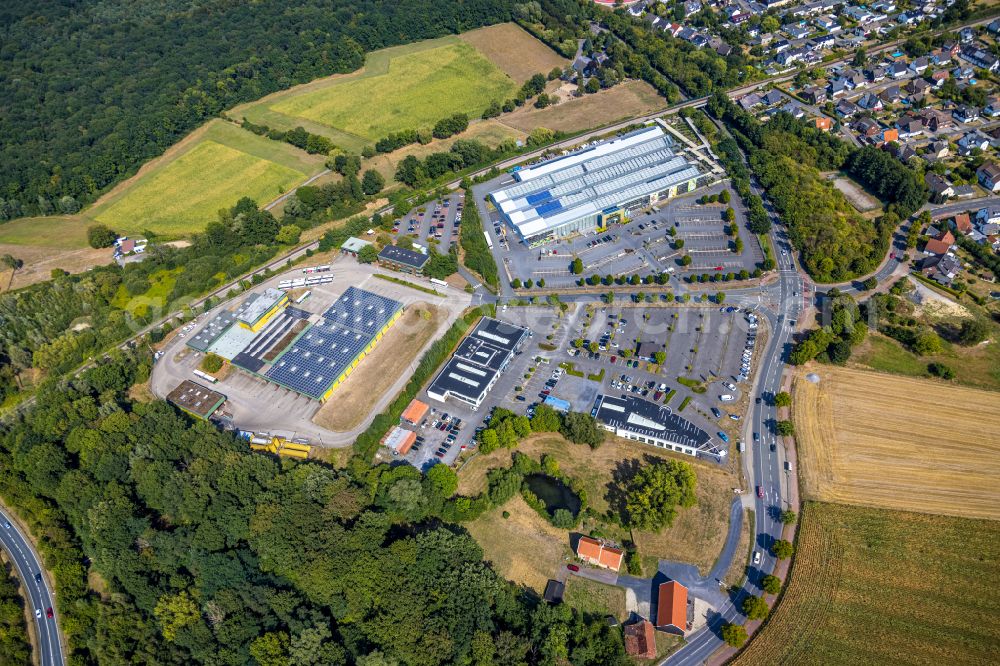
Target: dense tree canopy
{"points": [[94, 88]]}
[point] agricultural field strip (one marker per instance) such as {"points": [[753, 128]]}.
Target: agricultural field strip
{"points": [[899, 442]]}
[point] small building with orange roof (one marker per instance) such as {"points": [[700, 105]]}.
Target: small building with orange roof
{"points": [[823, 123], [414, 412], [599, 554], [672, 607]]}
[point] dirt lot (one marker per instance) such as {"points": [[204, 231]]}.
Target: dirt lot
{"points": [[39, 262], [898, 442], [856, 195], [697, 534], [352, 402], [524, 548], [514, 51], [631, 98]]}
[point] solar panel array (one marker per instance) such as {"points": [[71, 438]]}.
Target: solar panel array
{"points": [[362, 310], [326, 351]]}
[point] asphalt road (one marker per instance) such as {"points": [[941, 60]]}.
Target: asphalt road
{"points": [[39, 596]]}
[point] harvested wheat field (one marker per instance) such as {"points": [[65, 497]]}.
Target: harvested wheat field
{"points": [[898, 442], [512, 49]]}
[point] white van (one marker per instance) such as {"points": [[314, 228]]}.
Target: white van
{"points": [[726, 397]]}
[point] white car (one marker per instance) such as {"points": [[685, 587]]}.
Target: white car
{"points": [[756, 557], [725, 397], [729, 386]]}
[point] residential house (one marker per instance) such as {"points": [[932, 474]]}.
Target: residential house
{"points": [[889, 135], [854, 79], [938, 78], [772, 98], [875, 74], [940, 57], [846, 108], [598, 553], [965, 113], [891, 95], [749, 101], [781, 45], [866, 128], [823, 123], [814, 95], [992, 108], [692, 7], [798, 31], [919, 65], [837, 87], [640, 639], [963, 192], [994, 27], [989, 176], [898, 70], [884, 6], [942, 268], [962, 73], [988, 220], [859, 14], [962, 224], [909, 127], [980, 57], [940, 188], [794, 110], [822, 42], [791, 56], [935, 119], [966, 35], [870, 102], [970, 141], [940, 244], [951, 48], [917, 87], [905, 153], [938, 150], [737, 15], [827, 23]]}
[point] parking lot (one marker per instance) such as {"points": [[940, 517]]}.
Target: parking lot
{"points": [[644, 246], [434, 224]]}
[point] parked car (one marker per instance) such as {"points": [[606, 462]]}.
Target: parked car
{"points": [[572, 567], [716, 413], [723, 436]]}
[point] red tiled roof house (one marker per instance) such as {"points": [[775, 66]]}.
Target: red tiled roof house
{"points": [[640, 639], [599, 554]]}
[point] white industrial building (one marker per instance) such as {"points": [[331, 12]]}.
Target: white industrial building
{"points": [[591, 188]]}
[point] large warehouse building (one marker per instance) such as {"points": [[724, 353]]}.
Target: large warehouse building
{"points": [[591, 188]]}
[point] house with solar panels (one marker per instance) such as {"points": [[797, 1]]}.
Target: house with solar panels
{"points": [[589, 189], [480, 359]]}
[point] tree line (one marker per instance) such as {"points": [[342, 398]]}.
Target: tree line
{"points": [[314, 144], [62, 142]]}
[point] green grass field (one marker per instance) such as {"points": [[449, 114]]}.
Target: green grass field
{"points": [[977, 366], [398, 89], [871, 586], [181, 193], [58, 231], [593, 598]]}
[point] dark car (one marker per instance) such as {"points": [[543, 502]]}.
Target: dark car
{"points": [[38, 577], [716, 413], [773, 447], [760, 491], [520, 398], [48, 612], [756, 437]]}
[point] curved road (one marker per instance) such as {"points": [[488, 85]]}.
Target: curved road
{"points": [[39, 596]]}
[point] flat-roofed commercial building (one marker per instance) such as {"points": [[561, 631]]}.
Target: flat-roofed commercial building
{"points": [[195, 399], [645, 421], [591, 188], [260, 311], [403, 260], [478, 362]]}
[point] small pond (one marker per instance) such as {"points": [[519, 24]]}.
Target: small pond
{"points": [[554, 493]]}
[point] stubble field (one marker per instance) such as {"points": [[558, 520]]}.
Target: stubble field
{"points": [[873, 586], [898, 443]]}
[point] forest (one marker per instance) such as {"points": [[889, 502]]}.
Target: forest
{"points": [[216, 555], [787, 156], [76, 119]]}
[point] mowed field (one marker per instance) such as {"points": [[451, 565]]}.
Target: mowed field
{"points": [[178, 193], [626, 100], [409, 91], [873, 586], [898, 442]]}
